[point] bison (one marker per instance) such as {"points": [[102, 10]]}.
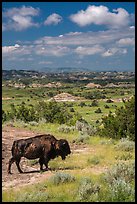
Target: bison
{"points": [[45, 147]]}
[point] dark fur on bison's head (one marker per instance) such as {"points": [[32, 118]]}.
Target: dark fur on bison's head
{"points": [[63, 148]]}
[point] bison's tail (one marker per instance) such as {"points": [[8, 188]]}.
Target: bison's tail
{"points": [[14, 146]]}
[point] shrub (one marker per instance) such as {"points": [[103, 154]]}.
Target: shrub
{"points": [[87, 189], [22, 123], [89, 130], [32, 197], [82, 104], [95, 160], [33, 123], [121, 191], [122, 124], [97, 121], [125, 145], [4, 116], [42, 120], [121, 171], [79, 125], [98, 110], [124, 156], [107, 142], [85, 128], [94, 103], [106, 106], [120, 181], [61, 177], [72, 110], [26, 113], [82, 138], [52, 112], [66, 129], [109, 101]]}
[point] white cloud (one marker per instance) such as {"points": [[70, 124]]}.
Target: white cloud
{"points": [[132, 27], [23, 11], [3, 27], [73, 33], [114, 51], [126, 41], [9, 49], [57, 51], [19, 18], [53, 19], [15, 50], [87, 38], [45, 62], [89, 50], [100, 15], [79, 44]]}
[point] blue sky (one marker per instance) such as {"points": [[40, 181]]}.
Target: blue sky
{"points": [[96, 35]]}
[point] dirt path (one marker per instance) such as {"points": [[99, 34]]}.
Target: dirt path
{"points": [[32, 175]]}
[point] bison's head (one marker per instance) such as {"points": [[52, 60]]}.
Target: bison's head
{"points": [[63, 148]]}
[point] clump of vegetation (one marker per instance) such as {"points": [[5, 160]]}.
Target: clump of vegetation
{"points": [[94, 160], [125, 145], [109, 101], [4, 116], [124, 156], [97, 121], [85, 131], [98, 110], [61, 177], [87, 191], [21, 123], [32, 197], [94, 103], [82, 138], [122, 124], [23, 112], [121, 191], [65, 128], [52, 112], [33, 123], [107, 142], [93, 95], [120, 180], [80, 125], [85, 128], [106, 106], [82, 104], [121, 171]]}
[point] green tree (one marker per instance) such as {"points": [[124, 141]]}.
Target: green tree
{"points": [[98, 110], [4, 116], [122, 124]]}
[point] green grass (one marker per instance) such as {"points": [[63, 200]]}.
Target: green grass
{"points": [[74, 186]]}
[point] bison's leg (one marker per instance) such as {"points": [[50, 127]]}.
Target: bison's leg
{"points": [[17, 163], [10, 163], [41, 162], [46, 160]]}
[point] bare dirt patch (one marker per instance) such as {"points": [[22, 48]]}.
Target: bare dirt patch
{"points": [[7, 98]]}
